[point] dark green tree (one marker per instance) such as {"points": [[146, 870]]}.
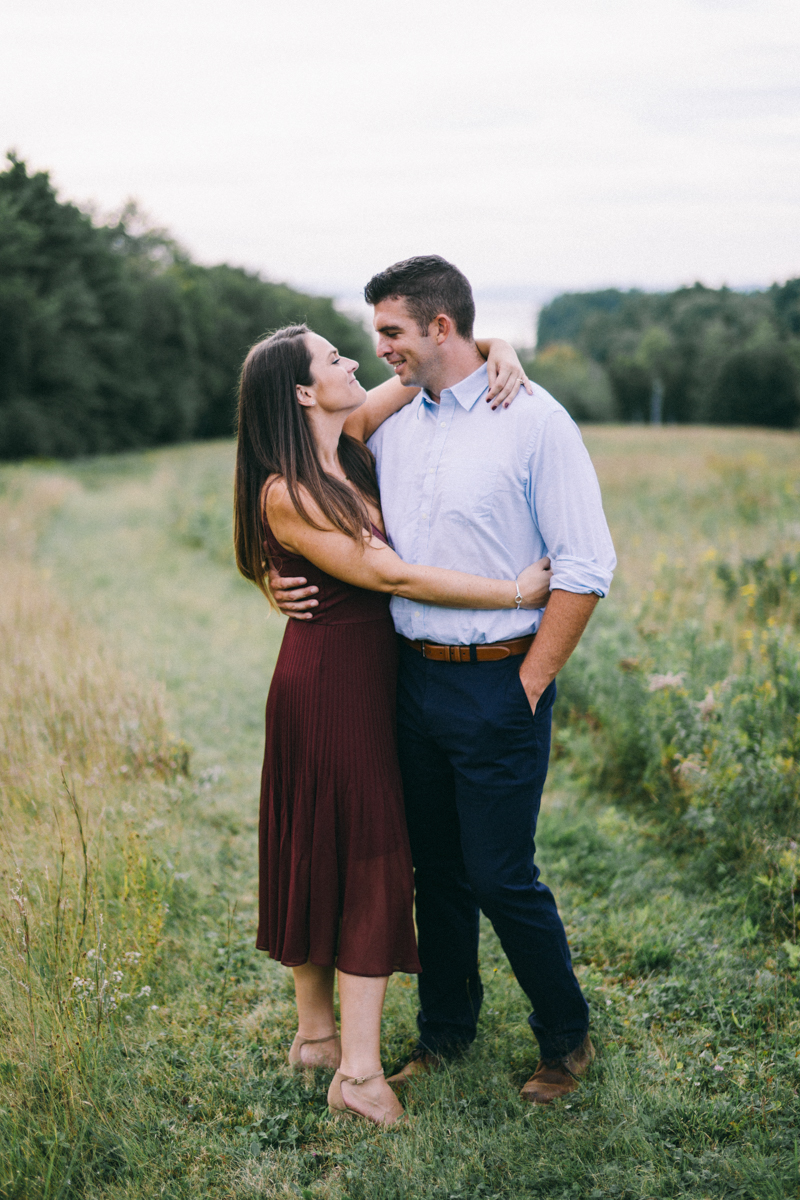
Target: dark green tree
{"points": [[563, 319], [111, 338], [757, 386], [709, 354]]}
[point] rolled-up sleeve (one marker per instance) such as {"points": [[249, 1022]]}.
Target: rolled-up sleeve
{"points": [[568, 509]]}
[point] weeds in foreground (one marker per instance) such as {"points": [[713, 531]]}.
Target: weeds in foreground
{"points": [[83, 750], [698, 728]]}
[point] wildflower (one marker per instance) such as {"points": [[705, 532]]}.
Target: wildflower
{"points": [[707, 705], [690, 768], [116, 976], [657, 683], [144, 991]]}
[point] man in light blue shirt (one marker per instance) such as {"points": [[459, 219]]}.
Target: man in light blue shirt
{"points": [[464, 488], [467, 488]]}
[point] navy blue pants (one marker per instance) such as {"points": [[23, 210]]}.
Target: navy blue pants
{"points": [[474, 761]]}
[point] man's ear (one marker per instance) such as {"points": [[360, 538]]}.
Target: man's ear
{"points": [[441, 328], [304, 396]]}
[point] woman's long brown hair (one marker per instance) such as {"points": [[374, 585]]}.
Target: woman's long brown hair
{"points": [[274, 438]]}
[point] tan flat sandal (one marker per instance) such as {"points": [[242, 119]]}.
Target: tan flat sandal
{"points": [[328, 1059], [379, 1114]]}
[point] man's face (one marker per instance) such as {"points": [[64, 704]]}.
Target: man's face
{"points": [[409, 352]]}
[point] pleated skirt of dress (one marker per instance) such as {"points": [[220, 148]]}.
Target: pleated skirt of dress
{"points": [[336, 882]]}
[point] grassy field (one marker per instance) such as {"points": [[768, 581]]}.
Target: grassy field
{"points": [[144, 1040]]}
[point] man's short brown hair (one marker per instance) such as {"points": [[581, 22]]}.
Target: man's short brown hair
{"points": [[429, 285]]}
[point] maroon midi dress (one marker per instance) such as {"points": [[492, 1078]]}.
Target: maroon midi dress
{"points": [[335, 875]]}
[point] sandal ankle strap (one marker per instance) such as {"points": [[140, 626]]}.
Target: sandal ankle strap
{"points": [[304, 1041], [359, 1078]]}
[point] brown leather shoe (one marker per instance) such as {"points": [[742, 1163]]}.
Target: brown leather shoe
{"points": [[557, 1077], [420, 1063]]}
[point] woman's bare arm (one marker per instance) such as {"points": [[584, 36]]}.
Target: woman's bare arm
{"points": [[506, 375], [381, 403], [505, 378], [373, 565]]}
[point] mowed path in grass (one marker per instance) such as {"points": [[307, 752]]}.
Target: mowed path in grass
{"points": [[691, 1095], [167, 596]]}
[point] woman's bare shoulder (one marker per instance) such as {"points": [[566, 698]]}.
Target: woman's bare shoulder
{"points": [[280, 506], [275, 493]]}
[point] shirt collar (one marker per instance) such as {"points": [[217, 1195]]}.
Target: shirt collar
{"points": [[466, 391]]}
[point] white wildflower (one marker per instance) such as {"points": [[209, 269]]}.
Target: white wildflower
{"points": [[657, 683], [691, 768], [210, 776]]}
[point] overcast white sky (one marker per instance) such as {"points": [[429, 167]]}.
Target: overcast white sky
{"points": [[542, 144]]}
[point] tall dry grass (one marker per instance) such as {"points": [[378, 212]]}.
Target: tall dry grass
{"points": [[84, 751]]}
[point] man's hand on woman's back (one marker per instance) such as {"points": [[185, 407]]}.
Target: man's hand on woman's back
{"points": [[292, 596]]}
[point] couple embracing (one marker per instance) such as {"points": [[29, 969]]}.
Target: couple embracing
{"points": [[441, 544]]}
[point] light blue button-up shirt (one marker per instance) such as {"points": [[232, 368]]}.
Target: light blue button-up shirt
{"points": [[489, 492]]}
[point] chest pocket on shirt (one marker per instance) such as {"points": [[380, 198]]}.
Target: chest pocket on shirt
{"points": [[467, 492]]}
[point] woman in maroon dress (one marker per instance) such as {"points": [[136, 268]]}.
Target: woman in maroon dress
{"points": [[336, 885]]}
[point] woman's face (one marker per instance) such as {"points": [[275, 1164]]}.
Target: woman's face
{"points": [[335, 387]]}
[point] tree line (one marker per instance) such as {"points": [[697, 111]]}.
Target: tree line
{"points": [[697, 354], [112, 338]]}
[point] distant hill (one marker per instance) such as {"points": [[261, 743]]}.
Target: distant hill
{"points": [[111, 338]]}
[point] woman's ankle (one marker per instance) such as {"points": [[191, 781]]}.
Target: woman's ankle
{"points": [[360, 1066], [316, 1030]]}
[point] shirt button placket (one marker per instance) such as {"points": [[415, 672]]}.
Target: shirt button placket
{"points": [[442, 417]]}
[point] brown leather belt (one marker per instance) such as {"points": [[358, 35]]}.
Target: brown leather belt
{"points": [[489, 652]]}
